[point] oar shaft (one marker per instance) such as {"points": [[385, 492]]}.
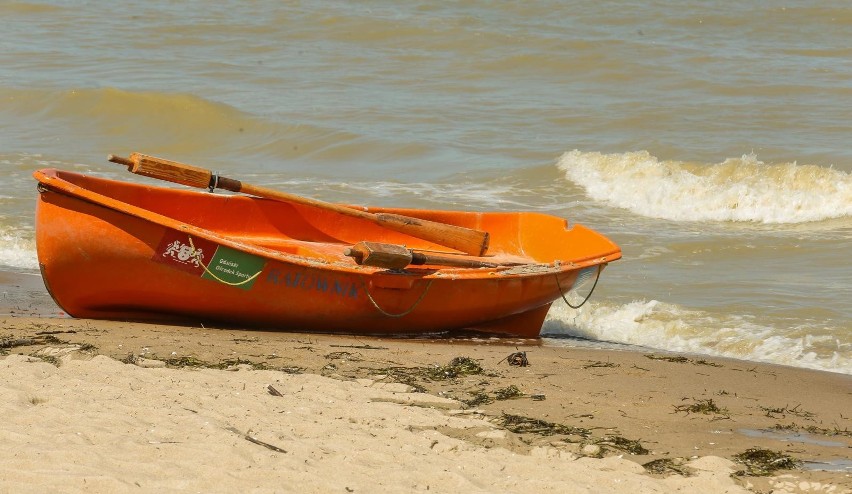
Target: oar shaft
{"points": [[392, 256], [469, 241], [419, 258], [258, 191]]}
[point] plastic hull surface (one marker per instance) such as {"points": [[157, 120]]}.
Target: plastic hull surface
{"points": [[118, 250]]}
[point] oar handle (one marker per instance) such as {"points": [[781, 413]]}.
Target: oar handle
{"points": [[162, 169], [193, 176]]}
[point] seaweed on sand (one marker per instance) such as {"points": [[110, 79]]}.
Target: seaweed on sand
{"points": [[812, 429], [196, 363], [7, 343], [478, 398], [50, 359], [631, 446], [459, 366], [526, 425], [773, 412], [599, 364], [677, 359], [664, 466], [706, 407], [763, 462], [508, 393], [185, 361], [343, 356]]}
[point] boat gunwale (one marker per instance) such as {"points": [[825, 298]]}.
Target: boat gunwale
{"points": [[49, 179]]}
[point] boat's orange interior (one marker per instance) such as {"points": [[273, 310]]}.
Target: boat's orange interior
{"points": [[306, 230]]}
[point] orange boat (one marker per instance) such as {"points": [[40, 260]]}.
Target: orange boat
{"points": [[119, 250]]}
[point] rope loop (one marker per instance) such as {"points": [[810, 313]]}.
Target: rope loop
{"points": [[403, 313], [562, 294]]}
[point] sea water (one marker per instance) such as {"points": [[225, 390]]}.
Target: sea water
{"points": [[709, 139]]}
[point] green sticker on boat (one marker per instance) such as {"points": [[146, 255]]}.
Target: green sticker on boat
{"points": [[233, 267]]}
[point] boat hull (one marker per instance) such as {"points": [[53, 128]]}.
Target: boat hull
{"points": [[105, 259]]}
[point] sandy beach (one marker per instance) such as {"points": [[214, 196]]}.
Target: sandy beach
{"points": [[709, 142], [109, 406]]}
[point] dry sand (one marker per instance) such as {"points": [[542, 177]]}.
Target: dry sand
{"points": [[104, 406]]}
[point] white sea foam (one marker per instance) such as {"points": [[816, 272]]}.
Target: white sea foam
{"points": [[17, 251], [739, 189], [668, 327]]}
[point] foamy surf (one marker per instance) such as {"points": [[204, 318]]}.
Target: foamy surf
{"points": [[668, 327], [739, 189], [17, 252]]}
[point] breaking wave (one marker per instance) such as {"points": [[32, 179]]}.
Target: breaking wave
{"points": [[668, 327], [17, 251], [739, 189]]}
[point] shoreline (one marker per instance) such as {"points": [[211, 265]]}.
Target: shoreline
{"points": [[24, 295], [664, 419]]}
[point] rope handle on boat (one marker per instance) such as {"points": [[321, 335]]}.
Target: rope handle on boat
{"points": [[197, 255], [600, 267], [403, 313]]}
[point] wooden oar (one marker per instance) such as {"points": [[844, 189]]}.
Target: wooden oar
{"points": [[473, 242], [391, 256]]}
